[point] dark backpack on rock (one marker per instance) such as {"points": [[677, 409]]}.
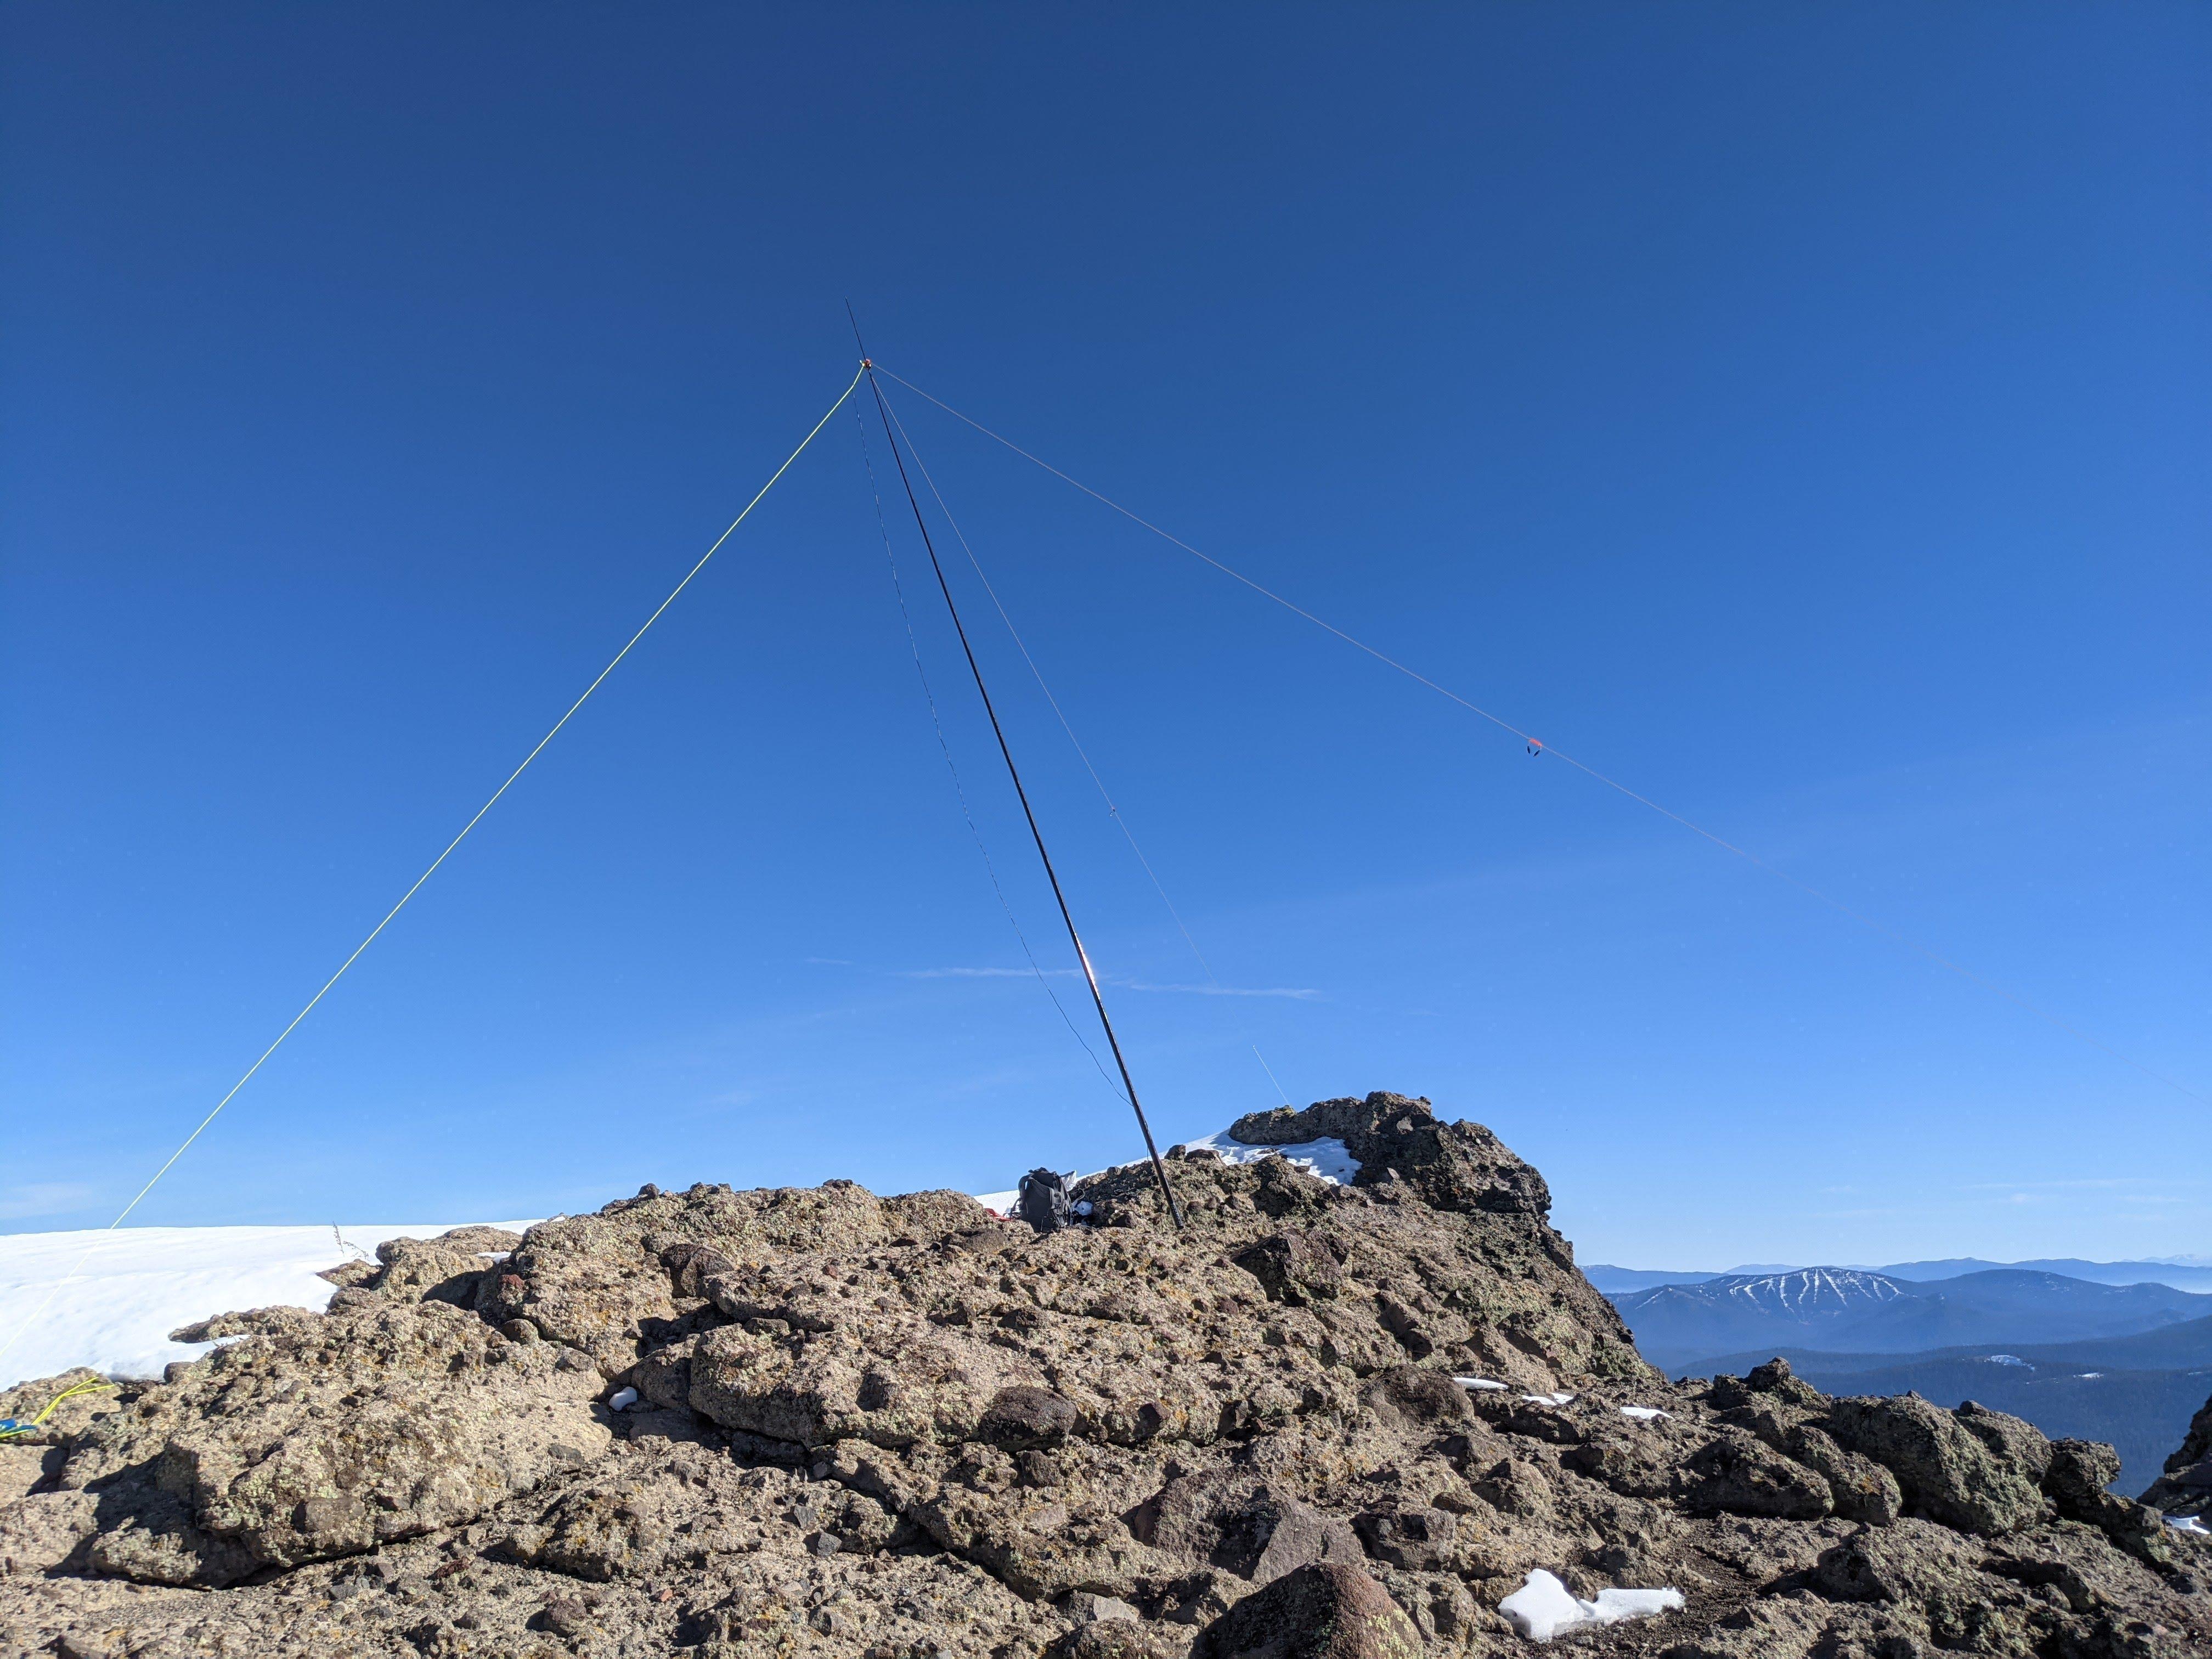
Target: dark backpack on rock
{"points": [[1043, 1202]]}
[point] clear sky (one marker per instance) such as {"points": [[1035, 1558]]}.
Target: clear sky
{"points": [[1798, 413]]}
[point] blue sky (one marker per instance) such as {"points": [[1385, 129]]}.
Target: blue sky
{"points": [[1796, 413]]}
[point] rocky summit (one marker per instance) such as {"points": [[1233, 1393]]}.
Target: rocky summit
{"points": [[1321, 1422]]}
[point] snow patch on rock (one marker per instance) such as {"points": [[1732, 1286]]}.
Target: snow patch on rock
{"points": [[1327, 1157], [1543, 1608]]}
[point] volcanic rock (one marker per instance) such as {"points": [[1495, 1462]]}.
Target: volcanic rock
{"points": [[883, 1428], [1317, 1612], [2185, 1487]]}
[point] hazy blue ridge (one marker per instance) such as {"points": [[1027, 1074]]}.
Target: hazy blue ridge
{"points": [[2181, 1275], [1843, 1310], [1621, 1281], [2174, 1349]]}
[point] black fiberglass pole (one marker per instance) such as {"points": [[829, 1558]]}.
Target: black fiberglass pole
{"points": [[1090, 974]]}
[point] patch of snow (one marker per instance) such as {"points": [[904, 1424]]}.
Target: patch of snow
{"points": [[2194, 1523], [1560, 1398], [622, 1400], [1644, 1413], [1543, 1608], [1477, 1382], [128, 1287], [2004, 1359], [1326, 1157]]}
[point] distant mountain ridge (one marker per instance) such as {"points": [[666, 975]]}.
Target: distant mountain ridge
{"points": [[2191, 1274], [2184, 1347], [1850, 1310], [2177, 1274]]}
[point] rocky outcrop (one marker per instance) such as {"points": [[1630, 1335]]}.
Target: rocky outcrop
{"points": [[1988, 1483], [325, 1436], [899, 1426], [2185, 1487]]}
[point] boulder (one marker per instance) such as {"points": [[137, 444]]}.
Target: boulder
{"points": [[2078, 1472], [1453, 1166], [313, 1437], [1907, 1563], [2014, 1441], [1859, 1488], [1294, 1266], [2186, 1485], [1737, 1474], [1242, 1526], [1945, 1472], [1412, 1535], [1320, 1612]]}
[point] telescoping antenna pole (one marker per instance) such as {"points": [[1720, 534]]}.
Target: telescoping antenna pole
{"points": [[1090, 974]]}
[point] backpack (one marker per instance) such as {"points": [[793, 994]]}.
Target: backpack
{"points": [[1042, 1201]]}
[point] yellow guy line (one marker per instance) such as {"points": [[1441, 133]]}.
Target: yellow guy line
{"points": [[71, 1392], [40, 1310]]}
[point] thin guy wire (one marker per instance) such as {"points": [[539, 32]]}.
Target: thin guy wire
{"points": [[1809, 890], [913, 645], [185, 1145], [1112, 811]]}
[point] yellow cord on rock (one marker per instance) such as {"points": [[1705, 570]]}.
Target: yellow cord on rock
{"points": [[89, 1386]]}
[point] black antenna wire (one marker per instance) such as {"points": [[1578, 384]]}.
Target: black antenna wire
{"points": [[1006, 753]]}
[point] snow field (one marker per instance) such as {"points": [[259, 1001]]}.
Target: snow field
{"points": [[117, 1293]]}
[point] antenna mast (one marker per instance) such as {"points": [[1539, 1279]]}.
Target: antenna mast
{"points": [[1037, 835]]}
